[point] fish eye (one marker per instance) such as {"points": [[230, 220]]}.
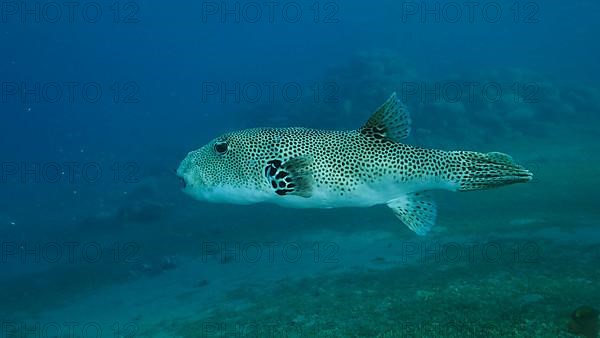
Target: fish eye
{"points": [[221, 147]]}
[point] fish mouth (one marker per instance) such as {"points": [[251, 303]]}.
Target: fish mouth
{"points": [[183, 174], [182, 182]]}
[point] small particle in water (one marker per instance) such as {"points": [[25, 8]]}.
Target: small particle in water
{"points": [[378, 259], [13, 223], [201, 283], [525, 221], [531, 298]]}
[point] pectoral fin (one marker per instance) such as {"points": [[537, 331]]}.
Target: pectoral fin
{"points": [[292, 177], [417, 210]]}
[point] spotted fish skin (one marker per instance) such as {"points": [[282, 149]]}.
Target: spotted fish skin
{"points": [[310, 168]]}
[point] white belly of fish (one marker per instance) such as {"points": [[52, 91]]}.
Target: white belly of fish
{"points": [[363, 196]]}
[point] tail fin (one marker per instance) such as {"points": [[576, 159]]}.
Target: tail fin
{"points": [[477, 171]]}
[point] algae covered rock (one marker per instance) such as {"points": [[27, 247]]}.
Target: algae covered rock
{"points": [[584, 322]]}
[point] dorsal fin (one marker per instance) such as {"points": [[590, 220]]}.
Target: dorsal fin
{"points": [[391, 121]]}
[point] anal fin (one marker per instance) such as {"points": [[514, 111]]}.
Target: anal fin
{"points": [[417, 210]]}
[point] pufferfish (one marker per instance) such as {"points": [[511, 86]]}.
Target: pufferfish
{"points": [[311, 168]]}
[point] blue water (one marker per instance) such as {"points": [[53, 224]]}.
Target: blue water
{"points": [[101, 101]]}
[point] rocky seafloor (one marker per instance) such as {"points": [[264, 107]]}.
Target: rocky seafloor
{"points": [[514, 287]]}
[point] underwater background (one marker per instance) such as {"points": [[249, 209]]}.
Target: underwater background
{"points": [[100, 101]]}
